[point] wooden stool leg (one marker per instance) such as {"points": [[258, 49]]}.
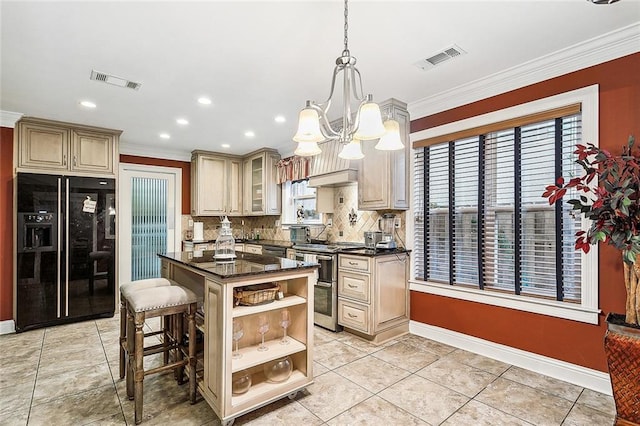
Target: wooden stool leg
{"points": [[139, 366], [130, 351], [166, 325], [179, 333], [192, 352], [123, 338]]}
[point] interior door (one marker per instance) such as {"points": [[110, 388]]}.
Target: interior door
{"points": [[149, 212]]}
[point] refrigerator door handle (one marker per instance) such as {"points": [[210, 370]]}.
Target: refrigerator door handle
{"points": [[66, 249], [59, 246]]}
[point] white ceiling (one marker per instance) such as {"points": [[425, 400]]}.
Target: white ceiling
{"points": [[260, 59]]}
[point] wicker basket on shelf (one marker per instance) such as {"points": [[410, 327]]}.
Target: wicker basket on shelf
{"points": [[257, 294]]}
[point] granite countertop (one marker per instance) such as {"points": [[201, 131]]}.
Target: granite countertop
{"points": [[374, 253], [245, 264], [261, 242]]}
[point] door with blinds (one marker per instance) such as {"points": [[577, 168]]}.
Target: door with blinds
{"points": [[150, 212]]}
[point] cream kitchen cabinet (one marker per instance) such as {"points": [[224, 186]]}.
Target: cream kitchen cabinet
{"points": [[57, 147], [373, 295], [216, 184], [383, 176], [262, 193]]}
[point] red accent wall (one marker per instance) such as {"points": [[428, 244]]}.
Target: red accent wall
{"points": [[186, 174], [6, 223], [571, 341]]}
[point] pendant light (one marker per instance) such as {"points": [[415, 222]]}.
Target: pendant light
{"points": [[313, 122]]}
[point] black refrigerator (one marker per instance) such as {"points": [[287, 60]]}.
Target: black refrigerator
{"points": [[66, 240]]}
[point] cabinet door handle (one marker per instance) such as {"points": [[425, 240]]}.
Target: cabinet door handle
{"points": [[64, 160], [75, 160]]}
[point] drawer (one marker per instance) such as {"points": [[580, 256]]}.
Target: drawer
{"points": [[201, 246], [354, 286], [358, 263], [353, 315], [252, 249]]}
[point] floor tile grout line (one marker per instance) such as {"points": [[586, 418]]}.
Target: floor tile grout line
{"points": [[113, 380], [35, 380]]}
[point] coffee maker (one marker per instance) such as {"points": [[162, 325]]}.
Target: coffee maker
{"points": [[387, 224]]}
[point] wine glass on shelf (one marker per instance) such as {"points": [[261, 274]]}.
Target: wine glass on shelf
{"points": [[263, 328], [285, 322], [238, 332]]}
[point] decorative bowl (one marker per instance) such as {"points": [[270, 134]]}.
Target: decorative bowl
{"points": [[241, 383], [278, 370]]}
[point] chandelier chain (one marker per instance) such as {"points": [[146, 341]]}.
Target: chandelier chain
{"points": [[346, 25]]}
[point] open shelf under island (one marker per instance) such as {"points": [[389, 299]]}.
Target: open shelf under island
{"points": [[217, 367]]}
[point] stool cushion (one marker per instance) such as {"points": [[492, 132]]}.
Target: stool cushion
{"points": [[160, 297], [128, 287]]}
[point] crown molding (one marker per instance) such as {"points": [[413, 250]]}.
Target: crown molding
{"points": [[9, 119], [154, 152], [609, 46]]}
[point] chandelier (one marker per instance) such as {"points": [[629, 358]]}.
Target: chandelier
{"points": [[314, 125]]}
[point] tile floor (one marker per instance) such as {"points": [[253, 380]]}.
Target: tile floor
{"points": [[68, 375]]}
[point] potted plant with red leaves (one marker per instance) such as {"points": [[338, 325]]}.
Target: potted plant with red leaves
{"points": [[613, 206]]}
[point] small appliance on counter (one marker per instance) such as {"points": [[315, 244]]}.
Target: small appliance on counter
{"points": [[387, 224], [372, 238], [300, 234]]}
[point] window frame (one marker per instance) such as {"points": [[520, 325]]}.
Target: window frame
{"points": [[288, 216], [587, 310]]}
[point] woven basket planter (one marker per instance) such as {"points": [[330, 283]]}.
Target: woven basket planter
{"points": [[622, 347]]}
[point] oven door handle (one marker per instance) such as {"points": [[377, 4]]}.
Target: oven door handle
{"points": [[323, 284], [321, 257]]}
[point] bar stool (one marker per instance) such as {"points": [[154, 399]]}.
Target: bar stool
{"points": [[125, 290], [149, 303]]}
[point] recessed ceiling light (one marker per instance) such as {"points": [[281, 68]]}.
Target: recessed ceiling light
{"points": [[204, 100], [225, 145], [165, 135], [249, 134], [280, 119], [182, 121], [88, 104]]}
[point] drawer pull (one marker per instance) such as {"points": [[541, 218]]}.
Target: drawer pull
{"points": [[352, 286], [353, 263], [352, 316]]}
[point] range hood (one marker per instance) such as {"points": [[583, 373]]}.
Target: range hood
{"points": [[330, 170]]}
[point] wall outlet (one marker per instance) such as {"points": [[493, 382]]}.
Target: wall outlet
{"points": [[397, 222], [329, 222], [340, 233], [190, 223]]}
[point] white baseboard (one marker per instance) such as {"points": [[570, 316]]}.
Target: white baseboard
{"points": [[572, 373], [7, 327]]}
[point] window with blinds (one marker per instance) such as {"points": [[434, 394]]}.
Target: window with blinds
{"points": [[480, 219]]}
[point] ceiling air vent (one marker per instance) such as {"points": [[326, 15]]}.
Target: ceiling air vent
{"points": [[112, 79], [440, 57]]}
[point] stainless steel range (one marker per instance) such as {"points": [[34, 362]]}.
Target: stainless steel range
{"points": [[326, 288]]}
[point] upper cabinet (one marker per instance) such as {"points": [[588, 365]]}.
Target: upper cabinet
{"points": [[263, 195], [233, 185], [383, 176], [65, 148], [216, 184]]}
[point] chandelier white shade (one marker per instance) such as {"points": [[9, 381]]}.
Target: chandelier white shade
{"points": [[313, 121], [308, 126], [352, 151], [307, 149], [391, 140]]}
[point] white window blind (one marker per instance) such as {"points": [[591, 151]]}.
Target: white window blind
{"points": [[481, 221]]}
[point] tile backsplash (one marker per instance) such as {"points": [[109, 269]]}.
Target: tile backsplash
{"points": [[345, 200]]}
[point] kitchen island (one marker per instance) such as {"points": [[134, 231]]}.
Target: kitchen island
{"points": [[221, 369]]}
